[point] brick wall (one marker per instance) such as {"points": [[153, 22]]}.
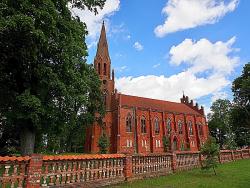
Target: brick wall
{"points": [[150, 141], [95, 170]]}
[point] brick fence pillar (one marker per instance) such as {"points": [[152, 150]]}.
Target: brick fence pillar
{"points": [[173, 161], [219, 157], [232, 153], [34, 171], [241, 154], [128, 167]]}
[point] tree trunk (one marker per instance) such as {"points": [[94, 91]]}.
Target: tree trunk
{"points": [[27, 138], [214, 171]]}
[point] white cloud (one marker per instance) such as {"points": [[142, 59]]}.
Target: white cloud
{"points": [[156, 65], [93, 21], [138, 46], [170, 88], [121, 69], [218, 95], [118, 55], [185, 14], [117, 28], [202, 56], [207, 109]]}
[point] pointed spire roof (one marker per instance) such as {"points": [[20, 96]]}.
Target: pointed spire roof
{"points": [[102, 48], [103, 33]]}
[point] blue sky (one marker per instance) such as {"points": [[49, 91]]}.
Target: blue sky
{"points": [[160, 48]]}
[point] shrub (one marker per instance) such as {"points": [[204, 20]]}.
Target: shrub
{"points": [[166, 143], [210, 150], [103, 143]]}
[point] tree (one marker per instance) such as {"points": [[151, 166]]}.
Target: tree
{"points": [[219, 122], [45, 83], [166, 143], [241, 88], [240, 115], [103, 143], [240, 126], [210, 150]]}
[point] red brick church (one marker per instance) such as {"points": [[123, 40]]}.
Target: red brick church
{"points": [[137, 124]]}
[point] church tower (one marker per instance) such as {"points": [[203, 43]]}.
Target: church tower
{"points": [[102, 66]]}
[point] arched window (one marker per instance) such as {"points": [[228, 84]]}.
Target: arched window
{"points": [[129, 123], [180, 127], [105, 69], [200, 130], [157, 127], [175, 144], [190, 128], [99, 68], [182, 146], [168, 125], [143, 125], [105, 94]]}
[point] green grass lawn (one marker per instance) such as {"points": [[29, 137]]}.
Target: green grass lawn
{"points": [[229, 175]]}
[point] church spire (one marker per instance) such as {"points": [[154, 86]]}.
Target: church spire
{"points": [[102, 61], [102, 48], [102, 66]]}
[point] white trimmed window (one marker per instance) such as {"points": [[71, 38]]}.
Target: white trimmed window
{"points": [[180, 127], [190, 127], [127, 143], [157, 126], [129, 123], [169, 125], [157, 143], [143, 125]]}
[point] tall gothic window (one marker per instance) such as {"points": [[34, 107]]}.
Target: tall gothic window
{"points": [[99, 68], [168, 125], [143, 125], [175, 144], [105, 93], [200, 129], [180, 126], [105, 69], [157, 127], [190, 128], [129, 123]]}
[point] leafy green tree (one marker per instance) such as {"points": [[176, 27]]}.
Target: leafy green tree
{"points": [[210, 150], [219, 122], [240, 126], [241, 88], [45, 84], [240, 115]]}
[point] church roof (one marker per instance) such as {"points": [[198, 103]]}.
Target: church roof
{"points": [[156, 104]]}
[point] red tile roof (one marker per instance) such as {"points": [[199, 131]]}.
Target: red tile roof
{"points": [[13, 158], [155, 104], [81, 157]]}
